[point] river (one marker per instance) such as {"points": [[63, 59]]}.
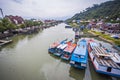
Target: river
{"points": [[27, 58]]}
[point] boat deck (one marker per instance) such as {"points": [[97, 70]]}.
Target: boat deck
{"points": [[55, 44], [70, 48], [108, 63], [100, 53]]}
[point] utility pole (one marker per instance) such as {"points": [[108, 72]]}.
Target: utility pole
{"points": [[1, 12]]}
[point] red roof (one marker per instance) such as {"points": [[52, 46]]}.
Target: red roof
{"points": [[70, 47], [19, 19], [55, 44]]}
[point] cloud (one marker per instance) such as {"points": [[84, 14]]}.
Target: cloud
{"points": [[46, 8]]}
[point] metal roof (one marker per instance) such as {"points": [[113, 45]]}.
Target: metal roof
{"points": [[92, 44], [81, 48], [70, 48], [62, 46]]}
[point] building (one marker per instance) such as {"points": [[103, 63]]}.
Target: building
{"points": [[15, 19], [111, 27]]}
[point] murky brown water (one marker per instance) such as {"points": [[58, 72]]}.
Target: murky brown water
{"points": [[27, 58]]}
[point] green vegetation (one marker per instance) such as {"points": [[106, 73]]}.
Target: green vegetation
{"points": [[85, 31], [74, 24], [107, 37], [109, 11], [77, 25], [30, 23], [6, 24]]}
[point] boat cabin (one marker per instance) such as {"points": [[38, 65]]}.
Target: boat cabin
{"points": [[103, 61], [79, 56]]}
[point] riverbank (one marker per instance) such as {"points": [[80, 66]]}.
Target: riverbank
{"points": [[5, 37], [106, 37]]}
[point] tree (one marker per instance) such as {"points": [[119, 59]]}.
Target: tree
{"points": [[5, 24], [109, 9], [2, 28], [30, 23], [22, 26]]}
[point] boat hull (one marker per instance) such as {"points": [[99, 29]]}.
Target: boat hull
{"points": [[58, 54], [99, 68], [76, 65], [65, 58], [51, 50]]}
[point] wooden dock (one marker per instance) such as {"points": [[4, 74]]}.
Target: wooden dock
{"points": [[3, 42]]}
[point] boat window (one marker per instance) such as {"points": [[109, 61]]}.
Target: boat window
{"points": [[107, 58], [109, 69], [118, 64], [82, 64], [82, 57], [67, 53], [102, 57], [77, 63], [76, 55]]}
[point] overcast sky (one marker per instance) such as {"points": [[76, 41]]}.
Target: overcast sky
{"points": [[46, 9]]}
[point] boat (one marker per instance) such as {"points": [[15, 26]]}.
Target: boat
{"points": [[68, 51], [103, 61], [68, 26], [115, 36], [79, 56], [53, 47], [60, 48], [4, 42]]}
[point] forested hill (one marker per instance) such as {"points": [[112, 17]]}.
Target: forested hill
{"points": [[109, 10]]}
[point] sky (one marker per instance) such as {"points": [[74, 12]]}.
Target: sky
{"points": [[46, 9]]}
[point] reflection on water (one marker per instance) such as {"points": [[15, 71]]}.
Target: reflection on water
{"points": [[56, 71], [27, 58], [97, 76], [77, 74]]}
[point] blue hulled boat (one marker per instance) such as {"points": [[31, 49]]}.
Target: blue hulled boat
{"points": [[68, 51], [80, 55], [53, 47], [68, 26], [104, 62], [60, 48]]}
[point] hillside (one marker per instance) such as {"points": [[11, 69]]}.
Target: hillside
{"points": [[109, 10]]}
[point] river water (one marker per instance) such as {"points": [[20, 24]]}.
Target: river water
{"points": [[27, 58]]}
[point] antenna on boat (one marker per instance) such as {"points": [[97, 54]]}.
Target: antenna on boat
{"points": [[100, 44]]}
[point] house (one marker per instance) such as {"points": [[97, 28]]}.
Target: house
{"points": [[92, 24], [111, 27], [15, 19]]}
